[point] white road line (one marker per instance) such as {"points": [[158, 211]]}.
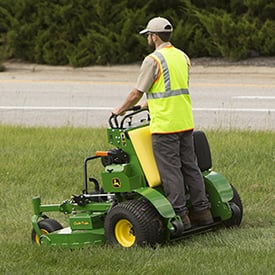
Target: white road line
{"points": [[59, 81], [235, 110], [55, 108], [84, 108], [254, 97]]}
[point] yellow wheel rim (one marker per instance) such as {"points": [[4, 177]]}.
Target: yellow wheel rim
{"points": [[124, 233], [37, 238]]}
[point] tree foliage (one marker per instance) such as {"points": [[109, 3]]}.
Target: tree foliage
{"points": [[88, 32]]}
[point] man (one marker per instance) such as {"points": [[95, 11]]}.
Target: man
{"points": [[164, 78]]}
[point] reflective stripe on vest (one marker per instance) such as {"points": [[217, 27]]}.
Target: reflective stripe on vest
{"points": [[168, 93], [167, 83]]}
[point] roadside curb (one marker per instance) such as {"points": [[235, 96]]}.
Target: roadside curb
{"points": [[199, 66]]}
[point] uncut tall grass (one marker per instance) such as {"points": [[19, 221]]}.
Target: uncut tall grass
{"points": [[49, 162]]}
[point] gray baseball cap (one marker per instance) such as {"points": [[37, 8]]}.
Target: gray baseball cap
{"points": [[158, 24]]}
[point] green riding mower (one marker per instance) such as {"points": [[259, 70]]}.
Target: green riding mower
{"points": [[127, 206]]}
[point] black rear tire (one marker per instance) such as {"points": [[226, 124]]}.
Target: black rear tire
{"points": [[237, 210], [46, 226], [133, 223]]}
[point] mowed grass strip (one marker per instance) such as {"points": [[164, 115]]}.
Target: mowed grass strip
{"points": [[49, 162]]}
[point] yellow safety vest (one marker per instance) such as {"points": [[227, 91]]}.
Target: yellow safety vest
{"points": [[168, 99]]}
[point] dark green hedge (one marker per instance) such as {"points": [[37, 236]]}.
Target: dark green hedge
{"points": [[88, 32]]}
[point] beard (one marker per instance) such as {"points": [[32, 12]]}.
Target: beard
{"points": [[151, 44]]}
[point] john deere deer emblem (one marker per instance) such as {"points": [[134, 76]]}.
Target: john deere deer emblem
{"points": [[116, 182]]}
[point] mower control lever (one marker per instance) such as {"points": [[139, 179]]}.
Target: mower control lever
{"points": [[113, 120]]}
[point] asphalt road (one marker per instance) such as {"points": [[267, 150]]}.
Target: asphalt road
{"points": [[223, 96]]}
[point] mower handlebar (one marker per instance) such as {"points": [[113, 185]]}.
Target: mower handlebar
{"points": [[135, 108], [113, 119]]}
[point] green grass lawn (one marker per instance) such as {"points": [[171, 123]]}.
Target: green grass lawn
{"points": [[49, 162]]}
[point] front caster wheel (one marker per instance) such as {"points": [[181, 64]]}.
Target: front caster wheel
{"points": [[46, 226]]}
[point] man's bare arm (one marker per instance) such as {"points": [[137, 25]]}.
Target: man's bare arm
{"points": [[131, 100]]}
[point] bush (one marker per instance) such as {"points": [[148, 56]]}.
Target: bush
{"points": [[88, 32], [2, 67]]}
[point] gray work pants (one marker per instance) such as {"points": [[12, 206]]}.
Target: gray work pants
{"points": [[177, 164]]}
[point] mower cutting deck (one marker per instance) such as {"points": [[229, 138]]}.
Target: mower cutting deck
{"points": [[128, 206]]}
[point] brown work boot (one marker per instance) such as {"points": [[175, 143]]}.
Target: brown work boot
{"points": [[203, 217], [186, 222]]}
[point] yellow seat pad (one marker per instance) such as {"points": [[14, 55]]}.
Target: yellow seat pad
{"points": [[142, 142]]}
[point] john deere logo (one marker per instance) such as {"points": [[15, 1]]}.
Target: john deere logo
{"points": [[81, 223], [116, 182]]}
